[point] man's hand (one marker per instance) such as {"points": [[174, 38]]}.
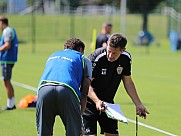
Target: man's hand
{"points": [[100, 105], [141, 111]]}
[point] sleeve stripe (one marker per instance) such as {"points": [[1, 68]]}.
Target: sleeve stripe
{"points": [[100, 56], [127, 54]]}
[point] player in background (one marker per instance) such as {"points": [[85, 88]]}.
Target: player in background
{"points": [[102, 38], [8, 57]]}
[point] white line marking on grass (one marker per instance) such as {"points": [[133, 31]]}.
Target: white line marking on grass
{"points": [[150, 127], [130, 120], [24, 86]]}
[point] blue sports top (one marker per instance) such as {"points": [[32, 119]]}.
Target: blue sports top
{"points": [[9, 56], [64, 67]]}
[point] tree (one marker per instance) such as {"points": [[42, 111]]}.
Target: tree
{"points": [[3, 6], [74, 3], [144, 7], [135, 6]]}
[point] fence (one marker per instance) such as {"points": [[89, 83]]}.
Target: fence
{"points": [[59, 23]]}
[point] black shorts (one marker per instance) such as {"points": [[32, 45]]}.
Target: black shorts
{"points": [[6, 71], [90, 118]]}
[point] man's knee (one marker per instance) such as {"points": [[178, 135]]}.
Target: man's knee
{"points": [[7, 82]]}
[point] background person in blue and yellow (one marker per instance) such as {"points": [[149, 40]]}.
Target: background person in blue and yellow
{"points": [[59, 94], [8, 57]]}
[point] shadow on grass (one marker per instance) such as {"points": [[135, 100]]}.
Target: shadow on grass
{"points": [[19, 109], [27, 109]]}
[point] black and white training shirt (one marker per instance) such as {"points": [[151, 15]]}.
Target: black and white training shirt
{"points": [[100, 39], [107, 75]]}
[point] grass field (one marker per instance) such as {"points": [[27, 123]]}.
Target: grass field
{"points": [[156, 74]]}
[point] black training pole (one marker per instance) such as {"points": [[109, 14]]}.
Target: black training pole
{"points": [[136, 125]]}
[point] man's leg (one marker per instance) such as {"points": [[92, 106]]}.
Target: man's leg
{"points": [[10, 93], [69, 110], [7, 73], [45, 111], [90, 118], [108, 130]]}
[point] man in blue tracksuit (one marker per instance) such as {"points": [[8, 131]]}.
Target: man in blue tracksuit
{"points": [[8, 57], [63, 89]]}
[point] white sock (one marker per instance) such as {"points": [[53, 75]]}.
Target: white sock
{"points": [[10, 102]]}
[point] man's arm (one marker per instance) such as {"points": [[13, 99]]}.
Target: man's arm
{"points": [[6, 46], [104, 41], [84, 91], [92, 95], [104, 44], [7, 40], [131, 90], [86, 82]]}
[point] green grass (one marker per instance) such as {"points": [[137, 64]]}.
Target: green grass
{"points": [[156, 74]]}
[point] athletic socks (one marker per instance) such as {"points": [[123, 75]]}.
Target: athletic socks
{"points": [[11, 102]]}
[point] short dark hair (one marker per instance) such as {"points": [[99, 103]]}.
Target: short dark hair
{"points": [[107, 24], [117, 40], [4, 20], [74, 44]]}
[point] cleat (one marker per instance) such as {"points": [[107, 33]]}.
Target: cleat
{"points": [[7, 108]]}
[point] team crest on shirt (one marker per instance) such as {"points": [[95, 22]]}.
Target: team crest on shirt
{"points": [[119, 70]]}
